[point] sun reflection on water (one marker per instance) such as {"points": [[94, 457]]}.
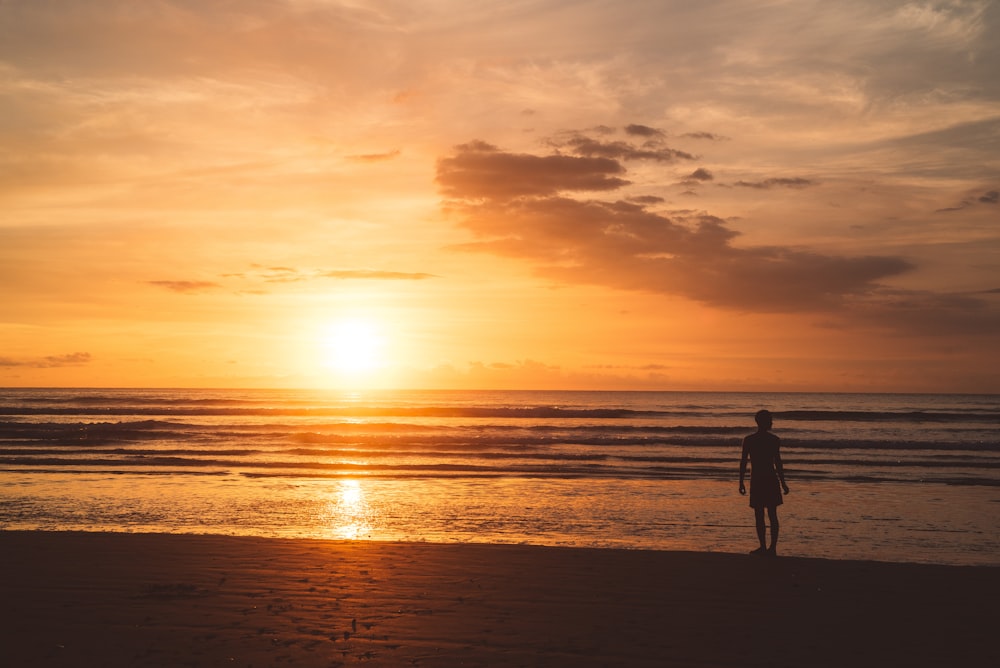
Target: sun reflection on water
{"points": [[349, 512]]}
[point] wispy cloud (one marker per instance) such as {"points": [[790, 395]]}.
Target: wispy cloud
{"points": [[653, 148], [376, 275], [698, 177], [711, 136], [637, 130], [186, 287], [48, 362], [930, 313], [282, 275], [375, 157], [796, 182], [991, 197]]}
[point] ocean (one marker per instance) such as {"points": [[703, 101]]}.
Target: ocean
{"points": [[889, 477]]}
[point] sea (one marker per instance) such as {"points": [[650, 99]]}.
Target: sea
{"points": [[885, 477]]}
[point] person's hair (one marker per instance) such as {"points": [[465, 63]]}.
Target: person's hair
{"points": [[763, 419]]}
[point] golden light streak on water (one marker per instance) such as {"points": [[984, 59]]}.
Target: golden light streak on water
{"points": [[348, 512]]}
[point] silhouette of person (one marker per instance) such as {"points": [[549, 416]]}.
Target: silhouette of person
{"points": [[762, 448]]}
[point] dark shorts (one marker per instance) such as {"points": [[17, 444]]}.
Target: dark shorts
{"points": [[765, 492]]}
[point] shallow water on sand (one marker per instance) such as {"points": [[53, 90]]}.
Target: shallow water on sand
{"points": [[887, 477]]}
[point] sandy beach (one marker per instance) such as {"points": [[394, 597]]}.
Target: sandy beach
{"points": [[91, 599]]}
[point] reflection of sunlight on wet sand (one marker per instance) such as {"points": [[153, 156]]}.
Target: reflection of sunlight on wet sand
{"points": [[348, 512]]}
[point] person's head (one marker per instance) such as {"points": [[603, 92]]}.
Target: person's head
{"points": [[763, 419]]}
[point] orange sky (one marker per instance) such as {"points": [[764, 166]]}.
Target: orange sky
{"points": [[528, 194]]}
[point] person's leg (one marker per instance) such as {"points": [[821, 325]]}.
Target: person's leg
{"points": [[772, 514], [759, 517]]}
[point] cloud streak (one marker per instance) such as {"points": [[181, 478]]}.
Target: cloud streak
{"points": [[186, 287], [376, 275], [654, 146], [991, 197], [376, 157], [767, 184], [49, 362]]}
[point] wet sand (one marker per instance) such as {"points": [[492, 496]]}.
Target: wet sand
{"points": [[89, 599]]}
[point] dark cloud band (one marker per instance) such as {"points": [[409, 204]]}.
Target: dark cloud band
{"points": [[524, 206]]}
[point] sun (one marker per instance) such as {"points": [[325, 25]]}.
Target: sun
{"points": [[354, 347]]}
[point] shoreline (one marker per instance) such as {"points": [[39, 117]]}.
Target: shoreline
{"points": [[120, 599]]}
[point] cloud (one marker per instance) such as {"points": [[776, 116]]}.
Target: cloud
{"points": [[631, 367], [281, 274], [654, 148], [938, 314], [697, 177], [647, 199], [480, 170], [375, 157], [70, 359], [643, 131], [581, 163], [624, 150], [990, 197], [776, 183], [703, 135], [622, 244], [370, 274], [186, 287], [962, 150], [49, 362]]}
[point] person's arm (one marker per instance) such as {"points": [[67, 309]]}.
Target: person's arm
{"points": [[743, 467], [779, 469]]}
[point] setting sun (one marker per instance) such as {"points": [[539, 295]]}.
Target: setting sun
{"points": [[354, 347]]}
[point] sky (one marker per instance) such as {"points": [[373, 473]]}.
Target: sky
{"points": [[529, 194]]}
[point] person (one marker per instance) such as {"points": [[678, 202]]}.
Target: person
{"points": [[762, 448]]}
